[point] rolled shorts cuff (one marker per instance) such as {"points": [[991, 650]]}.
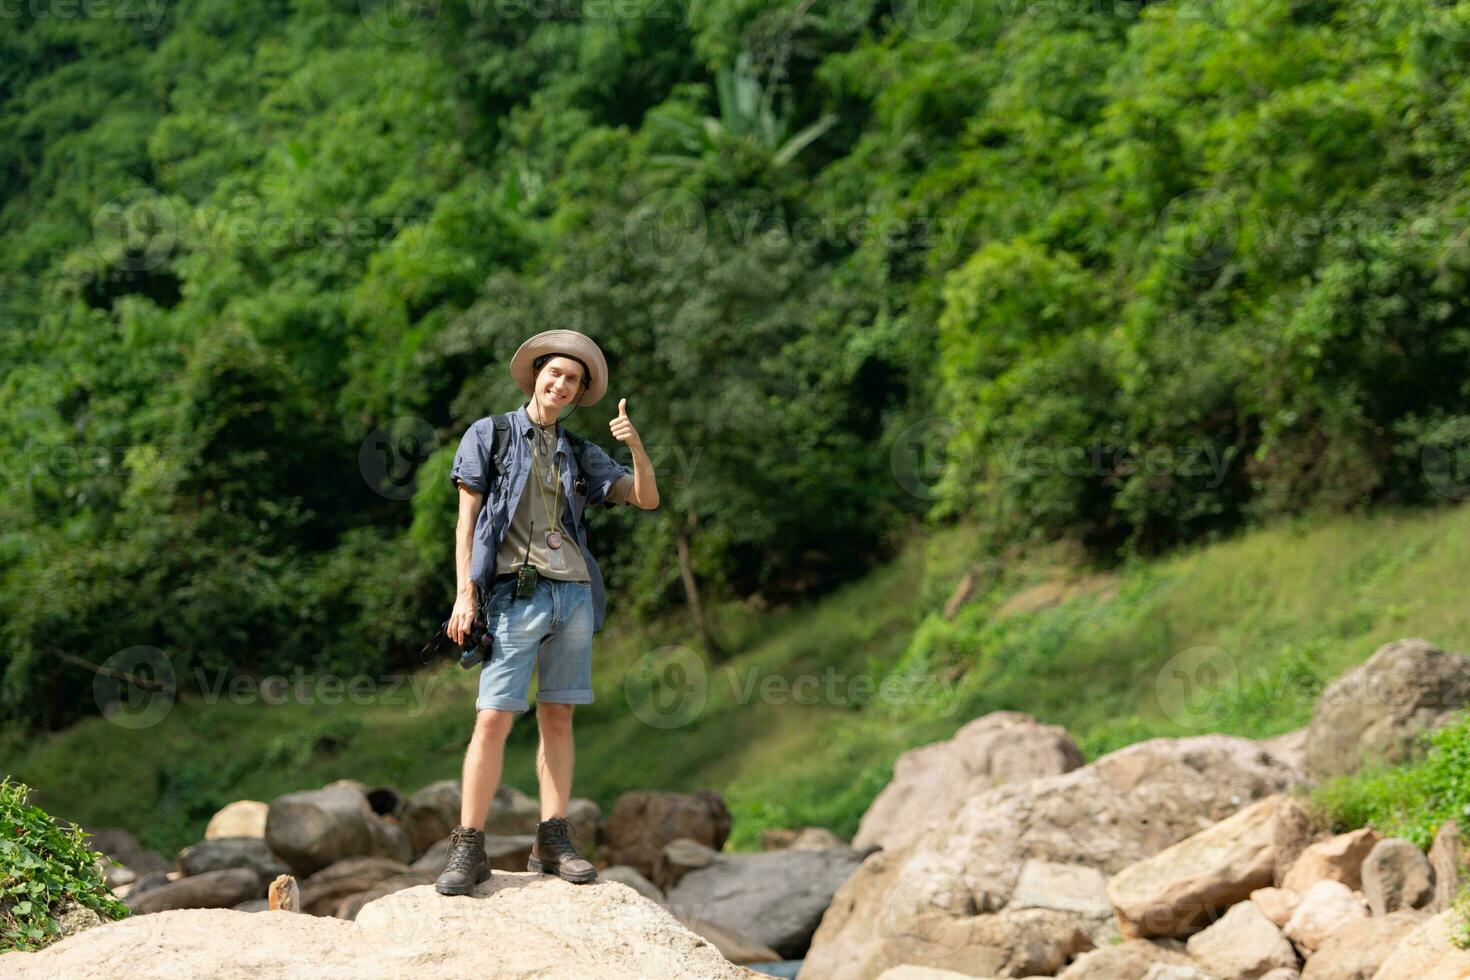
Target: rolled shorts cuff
{"points": [[569, 695], [500, 702]]}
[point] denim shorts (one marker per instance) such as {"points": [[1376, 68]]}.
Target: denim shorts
{"points": [[551, 630]]}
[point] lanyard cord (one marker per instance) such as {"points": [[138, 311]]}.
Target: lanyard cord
{"points": [[541, 487]]}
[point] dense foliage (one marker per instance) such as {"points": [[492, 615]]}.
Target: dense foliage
{"points": [[44, 871], [1129, 273]]}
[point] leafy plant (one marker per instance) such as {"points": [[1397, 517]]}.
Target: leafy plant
{"points": [[42, 869]]}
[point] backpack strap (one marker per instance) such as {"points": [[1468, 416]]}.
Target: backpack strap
{"points": [[500, 442]]}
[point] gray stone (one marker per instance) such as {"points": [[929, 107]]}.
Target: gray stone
{"points": [[774, 897], [1396, 875], [232, 852], [1242, 944], [1376, 711]]}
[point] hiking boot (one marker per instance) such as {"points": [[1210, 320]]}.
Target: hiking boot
{"points": [[467, 865], [554, 854]]}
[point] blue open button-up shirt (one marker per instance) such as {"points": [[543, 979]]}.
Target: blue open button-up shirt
{"points": [[474, 467]]}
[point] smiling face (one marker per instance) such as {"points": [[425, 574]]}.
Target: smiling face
{"points": [[557, 384]]}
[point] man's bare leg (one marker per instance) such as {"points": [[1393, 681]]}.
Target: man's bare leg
{"points": [[483, 761], [554, 757]]}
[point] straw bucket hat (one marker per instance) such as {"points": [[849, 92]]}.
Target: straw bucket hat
{"points": [[566, 342]]}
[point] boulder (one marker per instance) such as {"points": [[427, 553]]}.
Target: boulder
{"points": [[1064, 887], [625, 875], [1242, 944], [1129, 960], [1290, 747], [1326, 907], [1178, 890], [242, 818], [123, 847], [431, 814], [210, 890], [312, 829], [642, 822], [1447, 859], [930, 782], [733, 946], [1109, 814], [805, 839], [1429, 952], [1358, 949], [348, 907], [774, 897], [513, 925], [324, 891], [212, 854], [1298, 826], [1338, 858], [1376, 711], [678, 858], [1396, 875], [1276, 903]]}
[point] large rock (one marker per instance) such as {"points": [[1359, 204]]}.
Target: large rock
{"points": [[1326, 907], [1130, 960], [642, 823], [1180, 889], [123, 847], [210, 890], [1428, 953], [242, 818], [931, 781], [1358, 949], [1376, 711], [213, 854], [314, 828], [774, 897], [1242, 943], [1396, 875], [514, 925], [625, 875], [323, 891], [1276, 903], [1122, 808], [678, 858], [1338, 858], [348, 907], [1447, 859]]}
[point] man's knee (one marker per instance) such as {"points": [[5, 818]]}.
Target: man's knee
{"points": [[554, 719], [492, 723]]}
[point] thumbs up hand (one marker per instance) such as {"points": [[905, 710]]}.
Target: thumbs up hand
{"points": [[622, 426]]}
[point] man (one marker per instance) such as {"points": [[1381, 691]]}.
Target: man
{"points": [[524, 555]]}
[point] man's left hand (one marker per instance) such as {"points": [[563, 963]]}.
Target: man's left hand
{"points": [[622, 426]]}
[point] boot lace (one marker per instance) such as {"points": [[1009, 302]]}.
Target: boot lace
{"points": [[557, 841], [461, 850]]}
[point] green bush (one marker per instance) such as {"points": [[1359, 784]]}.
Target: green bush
{"points": [[1412, 800], [42, 868]]}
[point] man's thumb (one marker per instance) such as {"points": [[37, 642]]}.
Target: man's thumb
{"points": [[623, 407]]}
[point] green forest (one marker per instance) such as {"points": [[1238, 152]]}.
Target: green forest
{"points": [[1126, 276]]}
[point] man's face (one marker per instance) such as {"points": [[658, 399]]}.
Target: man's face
{"points": [[558, 382]]}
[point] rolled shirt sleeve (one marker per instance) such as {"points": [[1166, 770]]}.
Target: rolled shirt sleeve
{"points": [[472, 461], [608, 481]]}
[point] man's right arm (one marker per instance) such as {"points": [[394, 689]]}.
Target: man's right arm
{"points": [[470, 503]]}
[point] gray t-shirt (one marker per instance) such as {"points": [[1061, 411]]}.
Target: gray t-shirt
{"points": [[536, 500]]}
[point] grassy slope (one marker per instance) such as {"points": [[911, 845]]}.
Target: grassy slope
{"points": [[1287, 607]]}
